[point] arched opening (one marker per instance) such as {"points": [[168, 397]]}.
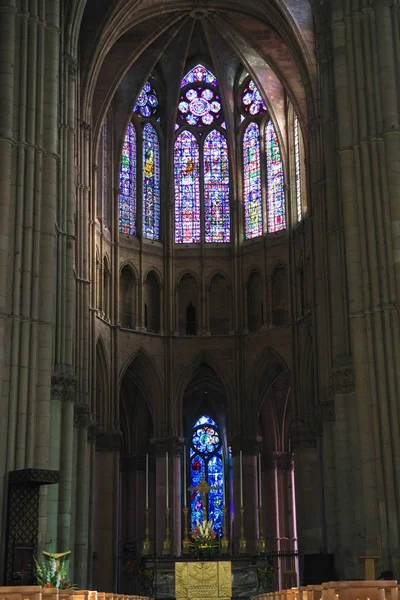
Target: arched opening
{"points": [[106, 289], [188, 304], [279, 296], [152, 303], [255, 302], [127, 316], [219, 306], [207, 450]]}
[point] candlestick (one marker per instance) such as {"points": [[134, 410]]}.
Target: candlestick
{"points": [[186, 541], [166, 482], [259, 482], [184, 479], [224, 540], [241, 478], [146, 542], [242, 539], [166, 551], [261, 539], [147, 481]]}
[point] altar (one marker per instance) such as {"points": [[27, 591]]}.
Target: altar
{"points": [[203, 580]]}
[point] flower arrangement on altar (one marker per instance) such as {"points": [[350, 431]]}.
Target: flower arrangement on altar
{"points": [[204, 539], [54, 572]]}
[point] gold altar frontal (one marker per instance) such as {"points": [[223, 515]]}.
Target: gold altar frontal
{"points": [[203, 580]]}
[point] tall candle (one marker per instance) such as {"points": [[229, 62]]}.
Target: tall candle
{"points": [[259, 481], [166, 482], [241, 478], [147, 481], [184, 479]]}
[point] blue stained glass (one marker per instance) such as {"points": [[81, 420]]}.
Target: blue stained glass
{"points": [[205, 420], [151, 183], [187, 189], [147, 102], [200, 106], [216, 188], [252, 195], [205, 456], [199, 74], [276, 205], [216, 495], [197, 473], [127, 184]]}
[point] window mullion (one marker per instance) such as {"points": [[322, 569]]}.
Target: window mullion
{"points": [[264, 177]]}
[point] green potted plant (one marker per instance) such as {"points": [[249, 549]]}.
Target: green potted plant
{"points": [[53, 571]]}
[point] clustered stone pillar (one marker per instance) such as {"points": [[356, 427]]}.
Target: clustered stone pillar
{"points": [[365, 93]]}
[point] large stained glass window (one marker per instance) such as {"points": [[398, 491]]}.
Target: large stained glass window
{"points": [[202, 210], [276, 205], [187, 189], [151, 183], [216, 188], [127, 184], [206, 462], [297, 169], [252, 195]]}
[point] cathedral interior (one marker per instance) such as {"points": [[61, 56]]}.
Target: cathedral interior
{"points": [[199, 280]]}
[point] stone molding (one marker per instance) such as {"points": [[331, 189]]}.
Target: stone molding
{"points": [[304, 437], [91, 432]]}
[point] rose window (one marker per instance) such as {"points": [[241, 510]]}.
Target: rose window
{"points": [[199, 106]]}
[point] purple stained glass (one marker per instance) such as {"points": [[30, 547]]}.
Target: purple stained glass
{"points": [[297, 169], [187, 189], [197, 473], [147, 102], [216, 495], [127, 184], [206, 462], [216, 188], [199, 106], [252, 195], [276, 205], [252, 102], [199, 74], [151, 183]]}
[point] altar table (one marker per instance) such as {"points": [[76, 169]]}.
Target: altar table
{"points": [[208, 580]]}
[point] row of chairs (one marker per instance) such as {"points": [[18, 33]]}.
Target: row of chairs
{"points": [[338, 590]]}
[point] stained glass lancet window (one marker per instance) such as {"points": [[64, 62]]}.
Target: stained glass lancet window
{"points": [[105, 172], [127, 183], [151, 183], [187, 189], [252, 195], [216, 188], [206, 462], [276, 206], [297, 169]]}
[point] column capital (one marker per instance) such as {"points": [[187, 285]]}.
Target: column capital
{"points": [[173, 445], [283, 461], [81, 415], [63, 387]]}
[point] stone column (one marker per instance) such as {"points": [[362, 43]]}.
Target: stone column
{"points": [[106, 494], [249, 448], [82, 491]]}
